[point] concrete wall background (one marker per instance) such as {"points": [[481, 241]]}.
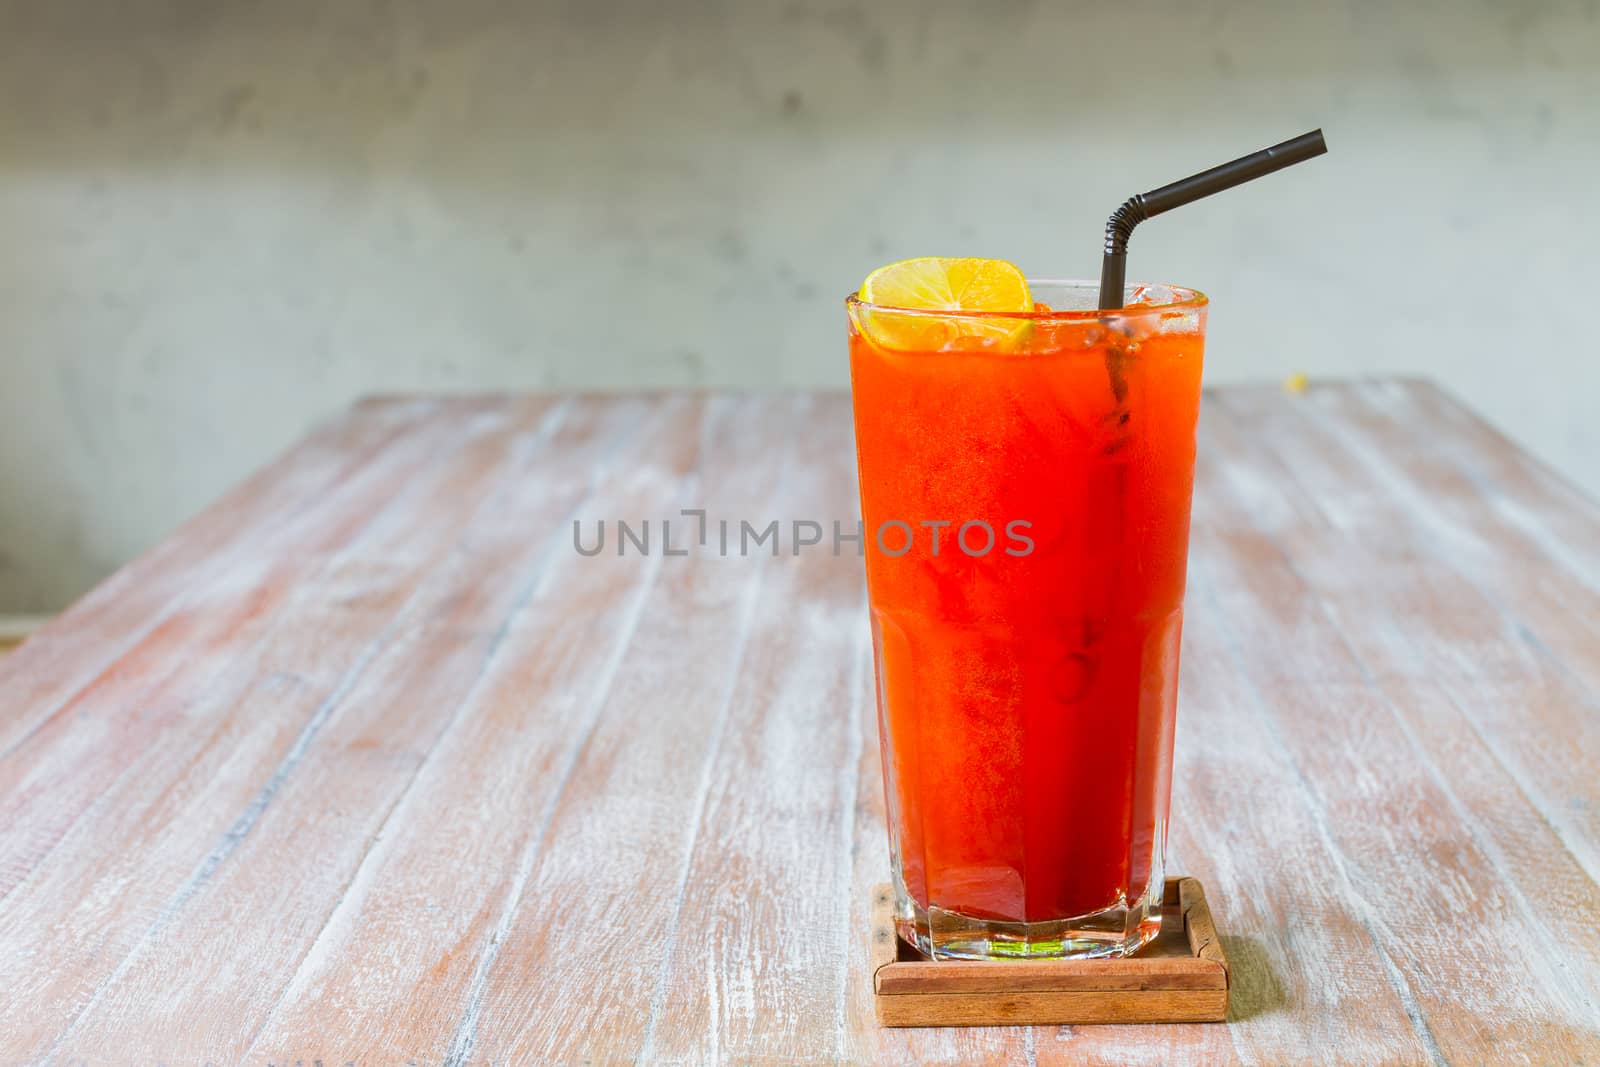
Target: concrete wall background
{"points": [[221, 221]]}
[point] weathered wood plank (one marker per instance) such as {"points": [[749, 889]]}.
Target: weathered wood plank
{"points": [[445, 639], [754, 968], [365, 763], [1506, 618], [1390, 814], [1476, 688], [372, 441], [598, 896], [478, 804], [227, 602], [131, 734], [234, 747], [1547, 508]]}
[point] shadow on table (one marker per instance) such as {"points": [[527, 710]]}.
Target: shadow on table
{"points": [[1255, 989]]}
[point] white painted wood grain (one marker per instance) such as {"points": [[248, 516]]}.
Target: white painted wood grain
{"points": [[763, 906], [189, 803], [368, 764], [602, 895], [127, 607], [457, 840]]}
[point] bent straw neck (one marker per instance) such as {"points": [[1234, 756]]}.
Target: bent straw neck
{"points": [[1141, 206]]}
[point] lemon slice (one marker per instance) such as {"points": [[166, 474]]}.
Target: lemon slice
{"points": [[901, 294]]}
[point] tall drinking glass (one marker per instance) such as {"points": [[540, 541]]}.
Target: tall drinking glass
{"points": [[1025, 482]]}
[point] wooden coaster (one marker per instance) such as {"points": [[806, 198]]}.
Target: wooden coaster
{"points": [[1180, 977]]}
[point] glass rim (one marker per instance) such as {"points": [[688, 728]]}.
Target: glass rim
{"points": [[1188, 300]]}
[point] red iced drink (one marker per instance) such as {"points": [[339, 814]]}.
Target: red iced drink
{"points": [[1027, 652]]}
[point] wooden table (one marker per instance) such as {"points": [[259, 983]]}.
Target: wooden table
{"points": [[367, 763]]}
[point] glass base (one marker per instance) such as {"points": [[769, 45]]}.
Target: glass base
{"points": [[1119, 930]]}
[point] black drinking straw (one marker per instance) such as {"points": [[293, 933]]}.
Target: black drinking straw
{"points": [[1142, 206]]}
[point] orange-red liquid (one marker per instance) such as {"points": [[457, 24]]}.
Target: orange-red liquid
{"points": [[1027, 700]]}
